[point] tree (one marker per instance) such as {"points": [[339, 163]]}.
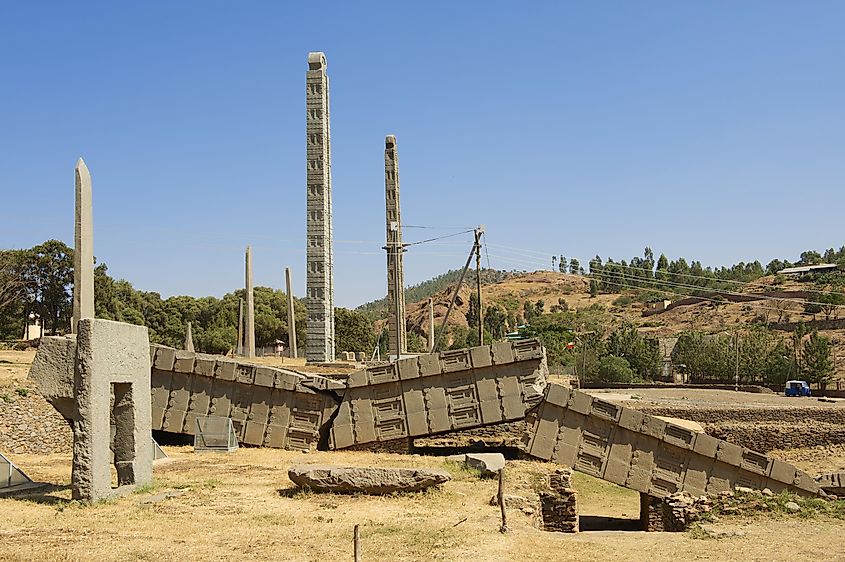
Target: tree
{"points": [[494, 321], [353, 331], [810, 257], [831, 302], [615, 369], [561, 264], [643, 356], [816, 358], [574, 266]]}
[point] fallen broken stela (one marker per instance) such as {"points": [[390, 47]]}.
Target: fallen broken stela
{"points": [[433, 394]]}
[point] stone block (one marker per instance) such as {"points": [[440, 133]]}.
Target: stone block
{"points": [[112, 367], [184, 361], [165, 358], [365, 480], [52, 372]]}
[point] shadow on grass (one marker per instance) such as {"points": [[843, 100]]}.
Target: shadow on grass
{"points": [[42, 494]]}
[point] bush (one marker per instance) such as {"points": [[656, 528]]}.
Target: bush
{"points": [[623, 300], [615, 369]]}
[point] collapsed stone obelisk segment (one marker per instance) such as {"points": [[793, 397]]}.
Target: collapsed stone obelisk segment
{"points": [[249, 343], [319, 298], [291, 315], [395, 272], [189, 338], [83, 248], [422, 396]]}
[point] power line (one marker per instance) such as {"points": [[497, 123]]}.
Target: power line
{"points": [[437, 238], [604, 275], [714, 278]]}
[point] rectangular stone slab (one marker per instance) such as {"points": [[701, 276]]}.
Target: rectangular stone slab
{"points": [[440, 392], [644, 453]]}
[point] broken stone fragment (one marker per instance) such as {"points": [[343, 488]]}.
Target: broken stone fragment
{"points": [[365, 480], [488, 464]]}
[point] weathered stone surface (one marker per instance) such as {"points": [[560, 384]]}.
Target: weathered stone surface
{"points": [[111, 384], [52, 372], [269, 406], [489, 464], [367, 480], [647, 454], [441, 392], [249, 326], [397, 333], [83, 248], [688, 424], [514, 502], [832, 483], [319, 282], [559, 505]]}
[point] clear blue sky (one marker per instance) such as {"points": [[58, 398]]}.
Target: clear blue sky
{"points": [[709, 130]]}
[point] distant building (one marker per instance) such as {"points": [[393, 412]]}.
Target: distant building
{"points": [[803, 270], [656, 307]]}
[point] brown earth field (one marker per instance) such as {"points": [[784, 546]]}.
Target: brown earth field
{"points": [[242, 506], [552, 287]]}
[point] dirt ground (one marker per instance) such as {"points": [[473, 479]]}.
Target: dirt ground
{"points": [[242, 506], [14, 366], [701, 398]]}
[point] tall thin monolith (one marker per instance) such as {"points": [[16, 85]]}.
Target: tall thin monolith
{"points": [[291, 316], [430, 325], [239, 349], [189, 338], [249, 343], [319, 298], [395, 271], [83, 248]]}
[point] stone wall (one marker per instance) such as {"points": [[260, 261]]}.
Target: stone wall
{"points": [[559, 505], [29, 424]]}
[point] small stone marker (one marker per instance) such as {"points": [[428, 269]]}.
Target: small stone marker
{"points": [[489, 464], [366, 480]]}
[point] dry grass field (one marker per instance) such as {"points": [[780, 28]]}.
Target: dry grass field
{"points": [[241, 506]]}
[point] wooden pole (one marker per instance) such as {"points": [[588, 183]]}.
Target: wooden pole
{"points": [[501, 497], [357, 544]]}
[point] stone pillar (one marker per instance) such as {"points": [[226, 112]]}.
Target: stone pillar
{"points": [[291, 316], [319, 298], [559, 506], [189, 339], [431, 328], [239, 348], [111, 382], [83, 248], [249, 340], [395, 271]]}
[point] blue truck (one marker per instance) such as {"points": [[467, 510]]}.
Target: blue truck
{"points": [[797, 388]]}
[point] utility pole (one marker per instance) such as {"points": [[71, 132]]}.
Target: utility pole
{"points": [[478, 232], [397, 290]]}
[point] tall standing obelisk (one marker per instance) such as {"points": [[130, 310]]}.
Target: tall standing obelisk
{"points": [[395, 271], [249, 346], [83, 248], [291, 315], [319, 298]]}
